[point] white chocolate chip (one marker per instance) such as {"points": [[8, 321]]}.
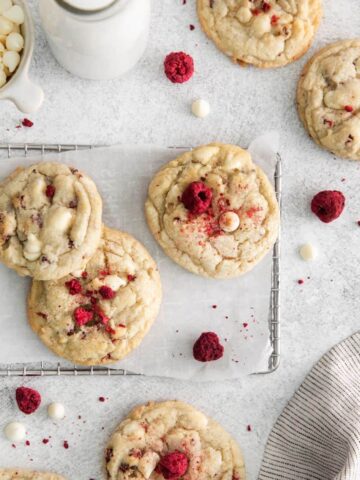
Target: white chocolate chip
{"points": [[133, 429], [15, 431], [32, 248], [244, 14], [59, 219], [11, 60], [147, 464], [308, 252], [6, 26], [2, 78], [56, 411], [229, 221], [200, 108], [5, 5], [15, 14], [114, 282], [15, 42]]}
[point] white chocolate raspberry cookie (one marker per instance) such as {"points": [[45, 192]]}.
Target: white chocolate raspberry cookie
{"points": [[328, 98], [263, 33], [172, 440], [50, 220], [213, 211], [99, 315], [19, 474]]}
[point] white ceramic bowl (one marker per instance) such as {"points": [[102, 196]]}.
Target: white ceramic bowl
{"points": [[27, 96]]}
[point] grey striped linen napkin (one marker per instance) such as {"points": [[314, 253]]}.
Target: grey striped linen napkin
{"points": [[317, 437]]}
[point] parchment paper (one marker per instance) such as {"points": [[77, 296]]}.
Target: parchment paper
{"points": [[122, 174]]}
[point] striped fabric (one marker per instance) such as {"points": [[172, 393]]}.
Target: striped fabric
{"points": [[317, 437]]}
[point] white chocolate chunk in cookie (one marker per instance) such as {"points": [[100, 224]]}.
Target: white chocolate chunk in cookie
{"points": [[229, 221], [112, 281], [32, 248], [147, 464], [15, 14]]}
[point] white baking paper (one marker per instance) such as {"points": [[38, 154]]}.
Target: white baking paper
{"points": [[122, 174]]}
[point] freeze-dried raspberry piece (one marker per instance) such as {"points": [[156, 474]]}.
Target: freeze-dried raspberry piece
{"points": [[50, 191], [197, 197], [74, 286], [328, 205], [28, 400], [106, 292], [208, 347], [178, 67], [173, 465], [83, 316]]}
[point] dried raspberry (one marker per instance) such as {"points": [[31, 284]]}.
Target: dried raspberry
{"points": [[103, 318], [266, 7], [83, 316], [349, 108], [192, 27], [197, 198], [255, 11], [178, 67], [50, 191], [328, 205], [28, 400], [66, 444], [74, 286], [274, 20], [84, 275], [27, 123], [208, 347], [106, 292], [131, 278], [173, 465]]}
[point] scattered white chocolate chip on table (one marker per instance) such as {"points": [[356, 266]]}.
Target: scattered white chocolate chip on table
{"points": [[229, 221], [56, 411], [200, 108], [308, 252], [15, 431]]}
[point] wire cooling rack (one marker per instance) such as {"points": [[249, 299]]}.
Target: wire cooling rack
{"points": [[58, 369]]}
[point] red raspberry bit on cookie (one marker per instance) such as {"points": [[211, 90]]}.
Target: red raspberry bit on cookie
{"points": [[106, 292], [84, 275], [197, 198], [50, 191], [349, 108], [173, 465], [131, 278], [255, 11], [266, 7], [274, 20], [27, 123], [83, 316], [208, 347], [74, 286], [178, 67], [28, 400], [328, 122], [102, 317], [328, 205]]}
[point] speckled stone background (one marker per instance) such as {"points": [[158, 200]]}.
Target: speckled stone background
{"points": [[144, 107]]}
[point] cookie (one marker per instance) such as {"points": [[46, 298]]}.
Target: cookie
{"points": [[50, 220], [266, 34], [19, 474], [172, 440], [213, 211], [328, 98], [99, 315]]}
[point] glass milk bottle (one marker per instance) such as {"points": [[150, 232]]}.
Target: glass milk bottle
{"points": [[96, 39]]}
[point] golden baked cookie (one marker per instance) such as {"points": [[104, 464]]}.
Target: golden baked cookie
{"points": [[266, 34], [328, 98], [213, 211], [99, 315], [50, 220], [20, 474], [172, 440]]}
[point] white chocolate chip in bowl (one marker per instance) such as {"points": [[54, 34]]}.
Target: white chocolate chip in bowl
{"points": [[229, 222], [16, 23]]}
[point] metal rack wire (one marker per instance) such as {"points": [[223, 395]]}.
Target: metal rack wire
{"points": [[58, 369]]}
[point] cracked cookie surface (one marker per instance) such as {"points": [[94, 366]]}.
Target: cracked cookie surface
{"points": [[266, 34], [153, 431], [99, 315], [19, 474], [50, 220], [240, 224], [328, 98]]}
